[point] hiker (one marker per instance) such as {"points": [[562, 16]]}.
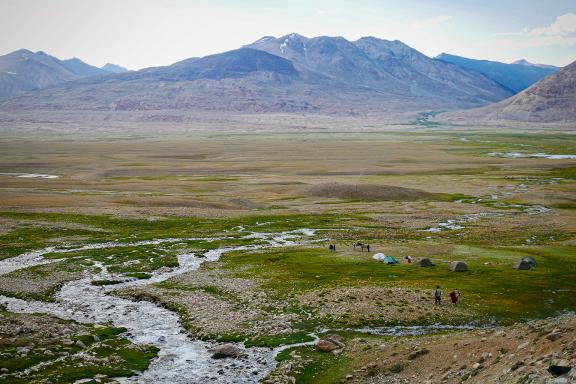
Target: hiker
{"points": [[454, 296], [437, 295], [368, 247]]}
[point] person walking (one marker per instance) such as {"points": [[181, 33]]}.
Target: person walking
{"points": [[455, 296], [437, 295]]}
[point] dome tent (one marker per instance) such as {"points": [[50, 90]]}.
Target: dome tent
{"points": [[424, 262], [385, 259], [458, 266], [530, 260], [523, 265], [390, 260]]}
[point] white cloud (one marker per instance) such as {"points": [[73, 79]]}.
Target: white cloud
{"points": [[432, 22], [561, 32], [564, 26]]}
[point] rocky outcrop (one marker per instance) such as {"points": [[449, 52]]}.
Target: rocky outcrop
{"points": [[227, 351]]}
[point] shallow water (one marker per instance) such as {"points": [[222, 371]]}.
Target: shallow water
{"points": [[409, 330], [181, 359], [531, 155], [30, 175]]}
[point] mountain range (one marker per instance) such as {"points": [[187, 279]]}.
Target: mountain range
{"points": [[23, 71], [516, 76], [292, 73]]}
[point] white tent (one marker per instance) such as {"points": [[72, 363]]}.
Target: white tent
{"points": [[379, 256]]}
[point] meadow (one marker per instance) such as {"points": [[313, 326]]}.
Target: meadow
{"points": [[429, 192]]}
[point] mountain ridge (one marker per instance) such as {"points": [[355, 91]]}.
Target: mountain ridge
{"points": [[23, 71], [515, 77], [292, 73]]}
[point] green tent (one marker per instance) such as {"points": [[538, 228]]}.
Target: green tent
{"points": [[389, 260]]}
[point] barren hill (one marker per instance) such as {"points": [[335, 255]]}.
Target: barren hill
{"points": [[552, 99]]}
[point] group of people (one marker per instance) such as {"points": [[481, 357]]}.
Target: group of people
{"points": [[454, 296]]}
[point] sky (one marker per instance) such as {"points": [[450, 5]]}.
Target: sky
{"points": [[144, 33]]}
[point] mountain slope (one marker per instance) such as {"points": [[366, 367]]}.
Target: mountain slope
{"points": [[22, 71], [292, 74], [80, 68], [529, 64], [552, 99], [515, 77], [113, 68], [387, 66]]}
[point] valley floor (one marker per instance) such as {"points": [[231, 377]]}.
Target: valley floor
{"points": [[154, 250]]}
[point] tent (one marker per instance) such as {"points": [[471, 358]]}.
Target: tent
{"points": [[523, 265], [458, 266], [424, 262], [385, 259], [390, 260], [530, 260]]}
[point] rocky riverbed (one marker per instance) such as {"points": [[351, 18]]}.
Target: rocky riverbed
{"points": [[181, 359]]}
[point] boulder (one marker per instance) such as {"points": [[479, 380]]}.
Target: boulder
{"points": [[325, 345], [424, 262], [336, 339], [554, 335], [530, 260], [559, 367], [330, 343], [458, 266], [522, 265], [419, 352], [227, 350]]}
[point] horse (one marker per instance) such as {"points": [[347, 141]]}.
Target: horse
{"points": [[362, 246]]}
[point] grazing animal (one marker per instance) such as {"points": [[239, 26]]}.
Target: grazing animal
{"points": [[332, 247], [361, 246]]}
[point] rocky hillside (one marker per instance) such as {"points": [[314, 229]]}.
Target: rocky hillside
{"points": [[542, 351], [382, 65], [552, 99]]}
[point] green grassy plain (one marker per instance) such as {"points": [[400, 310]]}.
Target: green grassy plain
{"points": [[214, 184]]}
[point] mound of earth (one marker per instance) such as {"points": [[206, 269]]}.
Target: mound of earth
{"points": [[38, 282], [209, 312], [365, 192]]}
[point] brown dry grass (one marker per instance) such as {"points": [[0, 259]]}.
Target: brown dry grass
{"points": [[365, 192]]}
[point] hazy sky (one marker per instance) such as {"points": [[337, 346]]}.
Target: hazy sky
{"points": [[143, 33]]}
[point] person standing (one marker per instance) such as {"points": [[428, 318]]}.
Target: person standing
{"points": [[455, 296], [437, 295]]}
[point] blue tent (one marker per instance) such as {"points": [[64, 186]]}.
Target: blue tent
{"points": [[389, 260]]}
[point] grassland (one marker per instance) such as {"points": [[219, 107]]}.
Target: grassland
{"points": [[385, 188], [40, 348]]}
